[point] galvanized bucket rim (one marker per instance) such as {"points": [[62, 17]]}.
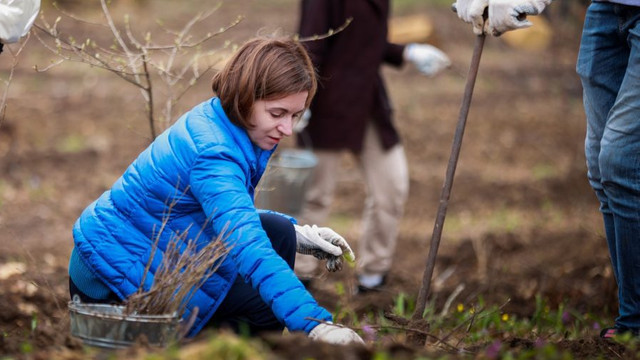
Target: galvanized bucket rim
{"points": [[94, 309], [107, 326], [302, 159]]}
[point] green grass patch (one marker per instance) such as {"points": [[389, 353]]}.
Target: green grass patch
{"points": [[475, 330], [71, 144]]}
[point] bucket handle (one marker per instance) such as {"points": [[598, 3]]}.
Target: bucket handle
{"points": [[301, 131]]}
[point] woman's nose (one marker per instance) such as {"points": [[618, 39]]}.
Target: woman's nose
{"points": [[286, 126]]}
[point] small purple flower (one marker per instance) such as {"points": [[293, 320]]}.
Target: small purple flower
{"points": [[566, 318], [596, 326], [493, 350], [539, 343], [369, 333]]}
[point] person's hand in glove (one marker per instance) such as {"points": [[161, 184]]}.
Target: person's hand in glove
{"points": [[16, 18], [504, 15], [470, 11], [324, 244], [427, 58], [335, 334]]}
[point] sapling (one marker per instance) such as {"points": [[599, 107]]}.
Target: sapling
{"points": [[182, 271], [139, 59], [15, 56]]}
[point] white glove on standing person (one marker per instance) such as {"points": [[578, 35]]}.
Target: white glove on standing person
{"points": [[335, 334], [16, 18], [427, 58], [504, 15], [324, 244], [470, 11]]}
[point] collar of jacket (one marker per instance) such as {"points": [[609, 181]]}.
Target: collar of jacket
{"points": [[255, 156]]}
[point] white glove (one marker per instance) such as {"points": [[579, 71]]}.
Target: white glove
{"points": [[427, 58], [335, 334], [470, 11], [16, 18], [324, 244], [504, 15]]}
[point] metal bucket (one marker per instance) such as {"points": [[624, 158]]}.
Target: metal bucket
{"points": [[107, 326], [283, 186]]}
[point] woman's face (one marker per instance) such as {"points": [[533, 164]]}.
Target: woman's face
{"points": [[273, 120]]}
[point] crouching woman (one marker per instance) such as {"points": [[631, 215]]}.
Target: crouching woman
{"points": [[199, 177]]}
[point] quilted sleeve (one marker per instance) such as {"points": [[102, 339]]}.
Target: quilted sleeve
{"points": [[219, 180]]}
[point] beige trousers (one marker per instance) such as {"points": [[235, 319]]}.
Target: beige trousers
{"points": [[386, 176]]}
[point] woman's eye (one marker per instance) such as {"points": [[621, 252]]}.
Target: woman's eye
{"points": [[277, 115]]}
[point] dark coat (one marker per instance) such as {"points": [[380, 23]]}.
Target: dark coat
{"points": [[351, 89]]}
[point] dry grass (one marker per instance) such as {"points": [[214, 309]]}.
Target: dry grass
{"points": [[182, 272]]}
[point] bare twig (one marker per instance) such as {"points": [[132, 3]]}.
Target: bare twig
{"points": [[149, 95], [137, 59], [15, 55], [76, 18], [93, 59], [182, 271], [454, 294], [392, 327], [331, 32], [470, 321]]}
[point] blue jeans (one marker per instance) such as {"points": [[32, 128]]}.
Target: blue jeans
{"points": [[609, 67], [243, 309]]}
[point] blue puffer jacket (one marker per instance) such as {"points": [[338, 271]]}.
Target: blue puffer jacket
{"points": [[208, 168]]}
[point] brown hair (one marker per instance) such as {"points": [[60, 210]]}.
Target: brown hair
{"points": [[263, 69]]}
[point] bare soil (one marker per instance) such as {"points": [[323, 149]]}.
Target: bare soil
{"points": [[522, 220]]}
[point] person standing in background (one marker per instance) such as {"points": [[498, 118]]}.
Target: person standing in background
{"points": [[16, 18], [352, 112]]}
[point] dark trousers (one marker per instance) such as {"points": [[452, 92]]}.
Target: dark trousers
{"points": [[242, 310]]}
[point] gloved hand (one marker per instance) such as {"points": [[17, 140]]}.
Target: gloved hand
{"points": [[335, 334], [470, 11], [16, 18], [427, 58], [324, 244], [504, 15]]}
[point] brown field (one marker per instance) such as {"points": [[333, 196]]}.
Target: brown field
{"points": [[522, 220]]}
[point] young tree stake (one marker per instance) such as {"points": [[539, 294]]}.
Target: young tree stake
{"points": [[414, 337]]}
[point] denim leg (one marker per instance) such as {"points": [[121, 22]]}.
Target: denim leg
{"points": [[600, 48], [243, 310], [609, 67]]}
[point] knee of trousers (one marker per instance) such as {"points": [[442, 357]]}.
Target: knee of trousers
{"points": [[281, 233], [391, 202], [617, 167], [394, 195]]}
